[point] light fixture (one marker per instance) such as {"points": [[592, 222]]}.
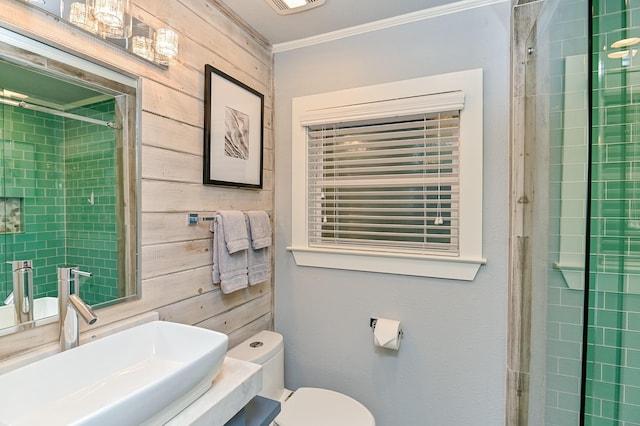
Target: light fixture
{"points": [[294, 3], [11, 94], [110, 12], [80, 15], [113, 16], [287, 7], [167, 40], [622, 54], [112, 20], [142, 41], [625, 42]]}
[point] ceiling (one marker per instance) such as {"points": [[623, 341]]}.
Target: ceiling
{"points": [[44, 90], [332, 16]]}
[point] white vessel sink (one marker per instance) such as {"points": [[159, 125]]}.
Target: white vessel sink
{"points": [[43, 307], [143, 375]]}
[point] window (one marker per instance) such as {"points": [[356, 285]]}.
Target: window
{"points": [[388, 178]]}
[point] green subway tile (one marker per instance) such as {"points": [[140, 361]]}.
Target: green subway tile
{"points": [[93, 165], [556, 416], [610, 374], [605, 354], [563, 383], [592, 406], [570, 367], [613, 301], [571, 333], [613, 6], [630, 340], [631, 395], [632, 358], [609, 409], [629, 413], [605, 391], [610, 319], [632, 302], [593, 372]]}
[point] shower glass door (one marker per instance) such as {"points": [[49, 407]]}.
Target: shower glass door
{"points": [[556, 143], [612, 389], [584, 221]]}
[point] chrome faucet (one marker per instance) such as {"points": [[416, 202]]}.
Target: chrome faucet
{"points": [[22, 294], [70, 306]]}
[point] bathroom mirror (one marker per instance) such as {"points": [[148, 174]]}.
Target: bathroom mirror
{"points": [[68, 177]]}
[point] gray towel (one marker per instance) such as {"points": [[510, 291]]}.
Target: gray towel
{"points": [[229, 269], [259, 254], [259, 262], [234, 230], [259, 228]]}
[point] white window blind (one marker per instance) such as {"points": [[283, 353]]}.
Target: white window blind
{"points": [[385, 184], [388, 178]]}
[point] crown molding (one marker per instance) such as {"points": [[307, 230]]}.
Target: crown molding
{"points": [[408, 18]]}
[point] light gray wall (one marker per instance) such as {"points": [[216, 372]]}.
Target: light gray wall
{"points": [[450, 369]]}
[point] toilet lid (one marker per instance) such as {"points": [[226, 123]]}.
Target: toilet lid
{"points": [[322, 407]]}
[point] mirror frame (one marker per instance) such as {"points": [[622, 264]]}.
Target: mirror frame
{"points": [[60, 62]]}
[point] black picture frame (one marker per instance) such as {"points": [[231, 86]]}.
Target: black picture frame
{"points": [[233, 132]]}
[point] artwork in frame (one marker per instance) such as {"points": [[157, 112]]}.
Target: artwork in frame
{"points": [[233, 132]]}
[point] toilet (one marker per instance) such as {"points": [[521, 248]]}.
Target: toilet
{"points": [[305, 406]]}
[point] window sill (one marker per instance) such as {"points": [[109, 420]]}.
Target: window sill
{"points": [[455, 268]]}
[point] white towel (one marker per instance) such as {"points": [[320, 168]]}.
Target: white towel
{"points": [[229, 269], [259, 254]]}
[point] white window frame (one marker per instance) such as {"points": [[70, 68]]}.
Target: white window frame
{"points": [[426, 94]]}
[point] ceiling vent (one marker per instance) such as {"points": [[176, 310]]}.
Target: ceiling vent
{"points": [[287, 7]]}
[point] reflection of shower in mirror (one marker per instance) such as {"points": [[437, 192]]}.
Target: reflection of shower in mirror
{"points": [[71, 193]]}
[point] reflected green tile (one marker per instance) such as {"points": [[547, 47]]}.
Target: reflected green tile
{"points": [[629, 413], [605, 391], [604, 354], [610, 374], [613, 338]]}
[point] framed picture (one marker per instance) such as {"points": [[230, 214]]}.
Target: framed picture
{"points": [[233, 132]]}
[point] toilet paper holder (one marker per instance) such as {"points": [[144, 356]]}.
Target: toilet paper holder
{"points": [[372, 324]]}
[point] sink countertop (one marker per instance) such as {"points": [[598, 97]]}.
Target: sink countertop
{"points": [[234, 386]]}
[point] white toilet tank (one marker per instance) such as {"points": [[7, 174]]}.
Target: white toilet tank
{"points": [[267, 349]]}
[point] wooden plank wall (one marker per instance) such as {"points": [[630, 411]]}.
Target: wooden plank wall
{"points": [[175, 258]]}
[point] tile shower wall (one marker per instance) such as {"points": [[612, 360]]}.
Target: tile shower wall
{"points": [[33, 172], [49, 164], [613, 353], [561, 49], [90, 181]]}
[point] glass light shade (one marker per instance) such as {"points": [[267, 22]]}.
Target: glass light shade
{"points": [[143, 47], [81, 16], [111, 12], [142, 41], [113, 16], [167, 42]]}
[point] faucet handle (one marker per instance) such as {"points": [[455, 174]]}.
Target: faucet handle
{"points": [[20, 264], [81, 273]]}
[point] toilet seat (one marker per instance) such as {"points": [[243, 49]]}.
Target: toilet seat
{"points": [[322, 407]]}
